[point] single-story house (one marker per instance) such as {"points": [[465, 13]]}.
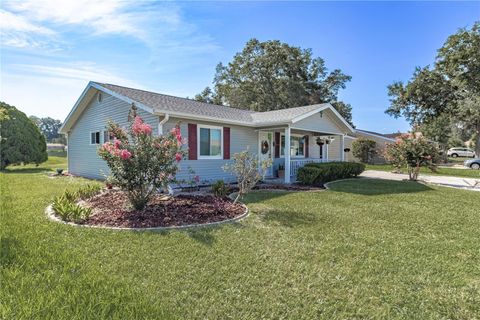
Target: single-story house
{"points": [[290, 137], [381, 142]]}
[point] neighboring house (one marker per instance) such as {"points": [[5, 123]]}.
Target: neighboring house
{"points": [[55, 146], [214, 133], [380, 140]]}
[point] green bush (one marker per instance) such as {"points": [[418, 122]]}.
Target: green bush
{"points": [[220, 189], [21, 141], [88, 191], [68, 210], [308, 175], [66, 205], [318, 173]]}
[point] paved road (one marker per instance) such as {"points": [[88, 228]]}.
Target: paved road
{"points": [[455, 182]]}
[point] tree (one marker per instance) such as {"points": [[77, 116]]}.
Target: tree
{"points": [[248, 170], [21, 141], [49, 128], [450, 88], [412, 151], [364, 149], [272, 75], [139, 162]]}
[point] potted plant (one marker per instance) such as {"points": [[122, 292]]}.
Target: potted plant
{"points": [[281, 171]]}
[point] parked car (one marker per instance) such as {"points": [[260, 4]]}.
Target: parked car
{"points": [[460, 152], [473, 163]]}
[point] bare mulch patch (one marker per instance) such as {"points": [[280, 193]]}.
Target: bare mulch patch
{"points": [[112, 209]]}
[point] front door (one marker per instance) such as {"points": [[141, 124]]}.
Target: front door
{"points": [[265, 149]]}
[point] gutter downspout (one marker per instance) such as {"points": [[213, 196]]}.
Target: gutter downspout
{"points": [[161, 123]]}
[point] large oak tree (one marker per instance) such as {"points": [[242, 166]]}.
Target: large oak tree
{"points": [[450, 89], [272, 75]]}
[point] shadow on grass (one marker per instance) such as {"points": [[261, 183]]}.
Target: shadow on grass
{"points": [[9, 251], [290, 218], [17, 170], [372, 187]]}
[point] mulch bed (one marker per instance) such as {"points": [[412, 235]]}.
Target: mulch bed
{"points": [[112, 209]]}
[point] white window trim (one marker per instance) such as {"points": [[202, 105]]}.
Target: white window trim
{"points": [[292, 135], [99, 138], [200, 157]]}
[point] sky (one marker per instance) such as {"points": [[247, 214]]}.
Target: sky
{"points": [[51, 49]]}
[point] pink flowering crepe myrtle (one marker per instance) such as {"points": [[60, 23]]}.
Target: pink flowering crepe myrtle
{"points": [[141, 163]]}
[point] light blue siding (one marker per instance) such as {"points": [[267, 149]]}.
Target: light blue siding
{"points": [[210, 170], [83, 159], [323, 122]]}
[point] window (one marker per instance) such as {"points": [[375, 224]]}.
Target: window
{"points": [[210, 142], [297, 146], [95, 137], [100, 97], [107, 136]]}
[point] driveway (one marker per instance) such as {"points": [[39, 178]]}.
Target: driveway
{"points": [[446, 181]]}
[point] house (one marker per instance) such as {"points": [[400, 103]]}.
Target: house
{"points": [[314, 133], [381, 142]]}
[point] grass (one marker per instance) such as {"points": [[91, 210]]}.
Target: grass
{"points": [[366, 249], [465, 173]]}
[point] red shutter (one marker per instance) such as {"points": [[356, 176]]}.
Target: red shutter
{"points": [[306, 147], [226, 143], [192, 141], [277, 144]]}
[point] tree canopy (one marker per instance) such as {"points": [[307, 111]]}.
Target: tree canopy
{"points": [[49, 128], [21, 140], [450, 89], [272, 75]]}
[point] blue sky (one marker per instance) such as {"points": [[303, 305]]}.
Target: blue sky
{"points": [[51, 49]]}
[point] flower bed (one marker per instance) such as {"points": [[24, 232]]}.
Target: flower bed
{"points": [[112, 209]]}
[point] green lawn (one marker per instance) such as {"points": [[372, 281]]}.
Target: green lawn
{"points": [[467, 173], [366, 249]]}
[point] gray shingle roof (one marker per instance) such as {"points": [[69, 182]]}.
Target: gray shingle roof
{"points": [[166, 103], [163, 102]]}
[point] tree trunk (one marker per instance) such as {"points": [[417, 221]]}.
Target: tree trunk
{"points": [[477, 140]]}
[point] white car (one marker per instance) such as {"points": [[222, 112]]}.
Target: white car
{"points": [[460, 152]]}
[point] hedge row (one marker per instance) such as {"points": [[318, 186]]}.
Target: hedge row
{"points": [[318, 173]]}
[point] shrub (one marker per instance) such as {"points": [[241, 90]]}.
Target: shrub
{"points": [[20, 139], [318, 173], [66, 205], [88, 191], [248, 170], [140, 163], [220, 189], [414, 151], [68, 210], [364, 149], [59, 171], [308, 175]]}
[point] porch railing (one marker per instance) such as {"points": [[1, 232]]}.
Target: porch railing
{"points": [[296, 164]]}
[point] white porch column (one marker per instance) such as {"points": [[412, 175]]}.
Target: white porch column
{"points": [[287, 155], [325, 152], [342, 146]]}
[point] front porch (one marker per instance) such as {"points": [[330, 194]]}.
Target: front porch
{"points": [[306, 146]]}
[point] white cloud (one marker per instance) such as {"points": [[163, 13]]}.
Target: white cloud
{"points": [[52, 90], [83, 71], [130, 18], [18, 32]]}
